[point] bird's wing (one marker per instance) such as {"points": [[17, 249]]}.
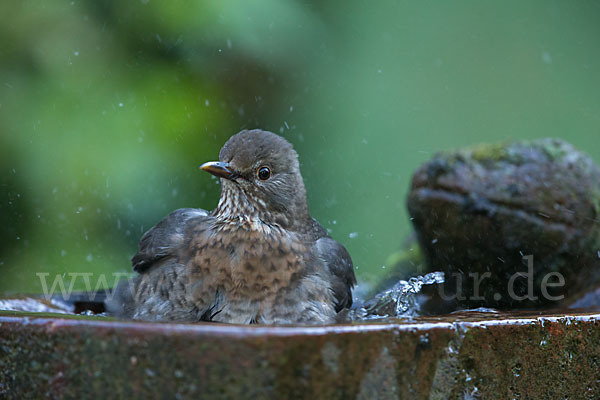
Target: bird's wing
{"points": [[164, 239], [339, 263]]}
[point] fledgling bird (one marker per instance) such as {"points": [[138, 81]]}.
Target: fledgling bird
{"points": [[258, 257]]}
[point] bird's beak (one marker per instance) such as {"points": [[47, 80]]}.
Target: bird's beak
{"points": [[218, 168]]}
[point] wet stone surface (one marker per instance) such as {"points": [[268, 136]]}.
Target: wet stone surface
{"points": [[513, 225], [483, 355]]}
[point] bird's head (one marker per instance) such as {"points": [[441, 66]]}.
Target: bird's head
{"points": [[260, 178]]}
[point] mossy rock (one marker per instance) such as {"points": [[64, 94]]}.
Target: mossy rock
{"points": [[508, 223]]}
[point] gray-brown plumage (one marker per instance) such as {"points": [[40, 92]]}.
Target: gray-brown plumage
{"points": [[258, 257]]}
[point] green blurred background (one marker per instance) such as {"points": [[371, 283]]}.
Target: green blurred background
{"points": [[107, 108]]}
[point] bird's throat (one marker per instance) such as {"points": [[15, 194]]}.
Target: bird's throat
{"points": [[234, 204]]}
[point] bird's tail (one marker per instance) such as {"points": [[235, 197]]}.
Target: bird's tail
{"points": [[117, 301], [85, 302]]}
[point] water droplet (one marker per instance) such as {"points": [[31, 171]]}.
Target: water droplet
{"points": [[353, 235], [516, 369], [546, 58]]}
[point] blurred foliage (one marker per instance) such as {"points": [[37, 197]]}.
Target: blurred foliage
{"points": [[107, 108]]}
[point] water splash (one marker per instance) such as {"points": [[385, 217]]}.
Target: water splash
{"points": [[398, 301]]}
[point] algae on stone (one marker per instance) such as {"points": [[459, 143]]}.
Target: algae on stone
{"points": [[499, 218]]}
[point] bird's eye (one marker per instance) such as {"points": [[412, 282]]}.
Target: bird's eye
{"points": [[264, 173]]}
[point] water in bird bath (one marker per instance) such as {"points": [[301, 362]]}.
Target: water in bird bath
{"points": [[401, 300]]}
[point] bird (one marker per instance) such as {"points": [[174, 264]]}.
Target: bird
{"points": [[257, 258]]}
